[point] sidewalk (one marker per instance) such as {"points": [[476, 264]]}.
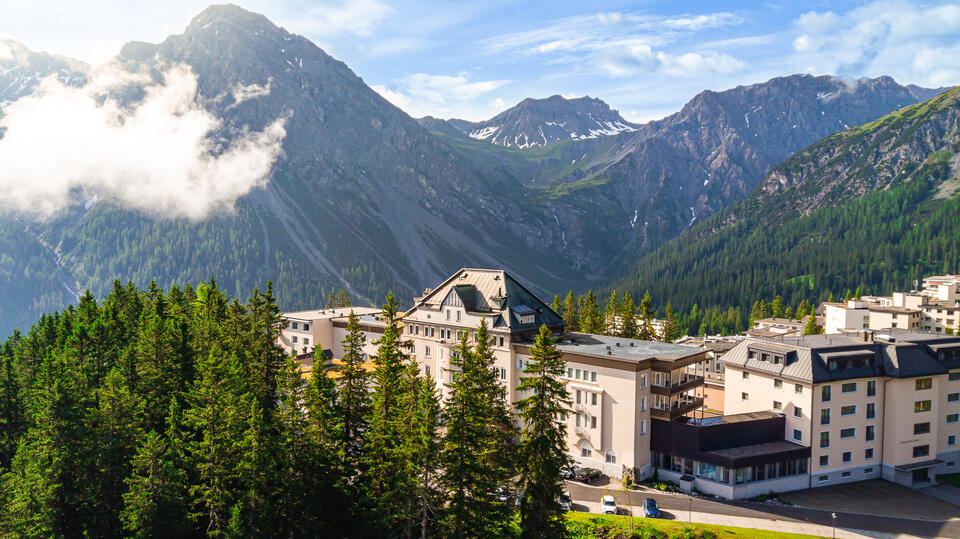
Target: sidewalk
{"points": [[755, 523], [944, 492]]}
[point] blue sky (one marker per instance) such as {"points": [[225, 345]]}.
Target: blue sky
{"points": [[473, 59]]}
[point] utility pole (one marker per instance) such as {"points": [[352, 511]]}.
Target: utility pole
{"points": [[690, 510], [834, 517]]}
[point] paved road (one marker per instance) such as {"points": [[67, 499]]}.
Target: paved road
{"points": [[676, 507]]}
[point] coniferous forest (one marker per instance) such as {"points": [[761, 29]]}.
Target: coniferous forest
{"points": [[174, 413]]}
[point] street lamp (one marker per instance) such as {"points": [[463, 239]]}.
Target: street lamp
{"points": [[690, 510], [834, 517]]}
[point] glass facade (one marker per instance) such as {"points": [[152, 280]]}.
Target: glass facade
{"points": [[731, 476]]}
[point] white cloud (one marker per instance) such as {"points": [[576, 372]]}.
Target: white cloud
{"points": [[333, 17], [243, 93], [424, 94], [624, 44], [641, 59], [913, 43], [156, 155]]}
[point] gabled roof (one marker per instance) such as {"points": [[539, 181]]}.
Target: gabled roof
{"points": [[495, 294]]}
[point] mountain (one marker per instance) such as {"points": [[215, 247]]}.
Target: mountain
{"points": [[875, 206], [538, 122], [21, 70], [367, 199], [617, 197]]}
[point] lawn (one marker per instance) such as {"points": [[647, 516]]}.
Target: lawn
{"points": [[584, 525], [950, 479]]}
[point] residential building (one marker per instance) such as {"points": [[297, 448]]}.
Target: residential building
{"points": [[935, 308], [712, 369], [877, 405], [776, 326]]}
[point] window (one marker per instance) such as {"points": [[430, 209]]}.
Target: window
{"points": [[871, 388], [952, 439], [798, 388], [643, 403], [847, 456], [921, 428], [458, 316], [578, 420], [924, 383], [845, 474], [921, 406], [585, 452], [578, 374], [954, 376], [824, 460], [432, 333], [868, 470], [746, 375], [501, 341], [306, 327], [643, 426], [777, 405], [294, 325], [569, 372], [593, 376], [778, 383], [823, 479], [868, 453], [745, 396], [825, 439], [848, 432], [825, 416], [306, 340], [611, 457], [848, 410], [593, 422], [825, 394], [593, 399], [921, 451], [953, 397], [871, 410], [849, 387], [797, 411], [643, 380], [797, 435], [426, 351], [578, 396], [426, 370], [871, 433], [953, 418]]}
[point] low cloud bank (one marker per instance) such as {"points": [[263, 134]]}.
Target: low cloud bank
{"points": [[159, 155]]}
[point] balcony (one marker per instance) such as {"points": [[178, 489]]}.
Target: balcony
{"points": [[678, 409], [681, 386]]}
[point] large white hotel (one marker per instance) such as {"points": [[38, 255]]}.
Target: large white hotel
{"points": [[637, 406]]}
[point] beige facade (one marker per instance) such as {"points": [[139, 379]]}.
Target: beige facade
{"points": [[887, 406], [935, 309]]}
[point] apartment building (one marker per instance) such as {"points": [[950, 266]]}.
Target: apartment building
{"points": [[868, 404], [304, 331], [712, 369], [935, 308]]}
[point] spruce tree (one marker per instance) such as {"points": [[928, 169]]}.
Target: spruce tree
{"points": [[542, 452], [556, 305], [776, 307], [353, 400], [570, 316], [590, 315], [628, 318], [646, 331], [671, 329], [812, 327], [423, 450], [610, 313], [756, 313]]}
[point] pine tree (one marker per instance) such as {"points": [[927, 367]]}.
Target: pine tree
{"points": [[543, 441], [353, 400], [590, 321], [388, 470], [671, 329], [343, 299], [811, 327], [646, 331], [472, 475], [156, 501], [556, 305], [610, 313], [570, 317], [628, 318], [423, 449], [776, 307], [756, 313]]}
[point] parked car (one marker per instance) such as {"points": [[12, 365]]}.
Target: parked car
{"points": [[565, 502], [650, 509], [608, 505], [587, 475], [568, 472], [506, 495]]}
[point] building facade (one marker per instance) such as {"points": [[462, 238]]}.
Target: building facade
{"points": [[877, 405]]}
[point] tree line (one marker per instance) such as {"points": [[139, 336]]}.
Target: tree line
{"points": [[175, 413]]}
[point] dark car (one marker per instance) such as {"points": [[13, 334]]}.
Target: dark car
{"points": [[587, 475], [650, 508], [568, 472]]}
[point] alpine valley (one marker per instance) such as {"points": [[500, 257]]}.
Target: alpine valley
{"points": [[564, 193]]}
